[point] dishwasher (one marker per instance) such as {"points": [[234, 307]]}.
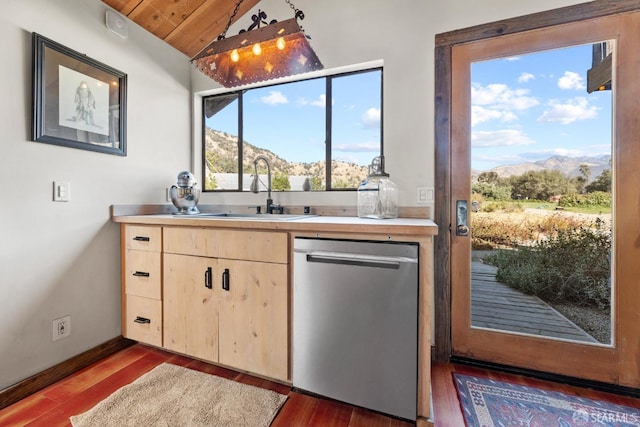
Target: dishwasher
{"points": [[355, 328]]}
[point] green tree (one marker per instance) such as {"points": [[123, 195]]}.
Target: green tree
{"points": [[280, 182], [489, 177], [601, 183], [492, 191], [541, 185], [316, 183]]}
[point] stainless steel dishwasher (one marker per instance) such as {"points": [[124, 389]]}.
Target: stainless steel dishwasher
{"points": [[355, 327]]}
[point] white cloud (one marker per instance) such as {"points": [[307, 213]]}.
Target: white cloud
{"points": [[571, 81], [320, 102], [358, 147], [525, 77], [499, 138], [274, 98], [498, 102], [481, 115], [573, 110], [371, 117], [500, 95]]}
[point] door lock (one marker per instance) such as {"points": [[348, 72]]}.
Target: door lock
{"points": [[462, 218]]}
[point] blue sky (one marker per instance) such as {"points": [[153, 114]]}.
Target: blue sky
{"points": [[531, 107], [289, 119]]}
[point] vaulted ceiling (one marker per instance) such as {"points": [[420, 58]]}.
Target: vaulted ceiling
{"points": [[187, 25]]}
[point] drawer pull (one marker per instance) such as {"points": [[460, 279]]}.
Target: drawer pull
{"points": [[142, 238], [208, 283], [225, 279], [142, 320], [141, 274]]}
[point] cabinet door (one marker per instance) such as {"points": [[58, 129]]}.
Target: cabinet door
{"points": [[253, 318], [190, 306]]}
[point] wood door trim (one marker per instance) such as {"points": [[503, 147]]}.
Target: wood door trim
{"points": [[443, 67]]}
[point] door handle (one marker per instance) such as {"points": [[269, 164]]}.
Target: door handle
{"points": [[208, 283], [225, 279], [462, 218]]}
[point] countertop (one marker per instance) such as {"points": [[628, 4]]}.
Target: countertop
{"points": [[416, 227]]}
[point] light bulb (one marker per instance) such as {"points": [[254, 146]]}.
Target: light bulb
{"points": [[257, 50], [280, 43], [235, 56]]}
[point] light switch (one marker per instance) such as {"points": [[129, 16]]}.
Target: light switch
{"points": [[425, 195], [61, 191]]}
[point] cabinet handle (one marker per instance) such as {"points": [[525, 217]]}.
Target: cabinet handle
{"points": [[141, 274], [141, 238], [142, 320], [225, 279], [208, 283]]}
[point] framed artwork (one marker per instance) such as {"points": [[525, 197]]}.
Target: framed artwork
{"points": [[78, 102]]}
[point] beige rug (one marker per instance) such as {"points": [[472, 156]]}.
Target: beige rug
{"points": [[171, 395]]}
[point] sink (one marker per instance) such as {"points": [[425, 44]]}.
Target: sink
{"points": [[252, 216]]}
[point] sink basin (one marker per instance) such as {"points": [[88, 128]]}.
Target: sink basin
{"points": [[253, 216]]}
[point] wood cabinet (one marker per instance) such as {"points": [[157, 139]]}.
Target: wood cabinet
{"points": [[190, 306], [226, 297], [142, 284]]}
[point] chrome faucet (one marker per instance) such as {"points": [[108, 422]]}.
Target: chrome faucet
{"points": [[255, 184]]}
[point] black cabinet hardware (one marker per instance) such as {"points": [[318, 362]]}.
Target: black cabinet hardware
{"points": [[225, 279], [141, 274], [208, 282], [142, 238], [142, 320]]}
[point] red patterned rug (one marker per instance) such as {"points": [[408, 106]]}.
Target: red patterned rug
{"points": [[489, 403]]}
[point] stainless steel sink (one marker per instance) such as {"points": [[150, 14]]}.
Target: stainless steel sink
{"points": [[251, 216]]}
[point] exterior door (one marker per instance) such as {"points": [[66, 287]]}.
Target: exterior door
{"points": [[512, 342]]}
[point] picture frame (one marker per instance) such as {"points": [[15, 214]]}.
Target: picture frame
{"points": [[78, 102]]}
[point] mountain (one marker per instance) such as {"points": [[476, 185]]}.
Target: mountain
{"points": [[569, 166], [222, 158]]}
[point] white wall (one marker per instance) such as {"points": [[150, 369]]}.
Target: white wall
{"points": [[401, 33], [60, 259]]}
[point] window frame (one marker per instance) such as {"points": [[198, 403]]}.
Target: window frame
{"points": [[240, 92]]}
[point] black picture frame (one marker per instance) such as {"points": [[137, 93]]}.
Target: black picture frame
{"points": [[78, 102]]}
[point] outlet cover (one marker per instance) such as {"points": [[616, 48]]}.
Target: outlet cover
{"points": [[61, 327]]}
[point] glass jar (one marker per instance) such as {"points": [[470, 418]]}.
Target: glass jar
{"points": [[378, 194]]}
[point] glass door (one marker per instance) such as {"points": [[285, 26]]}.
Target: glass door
{"points": [[543, 143]]}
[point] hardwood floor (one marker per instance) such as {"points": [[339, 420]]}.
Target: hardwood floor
{"points": [[79, 392]]}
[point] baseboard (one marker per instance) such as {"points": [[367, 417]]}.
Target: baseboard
{"points": [[43, 379]]}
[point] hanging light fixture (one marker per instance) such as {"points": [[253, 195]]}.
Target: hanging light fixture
{"points": [[278, 49]]}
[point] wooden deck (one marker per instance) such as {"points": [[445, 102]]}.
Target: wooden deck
{"points": [[498, 306]]}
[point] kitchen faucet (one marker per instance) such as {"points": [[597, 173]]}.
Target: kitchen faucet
{"points": [[255, 187]]}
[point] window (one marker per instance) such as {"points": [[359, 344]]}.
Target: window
{"points": [[300, 127]]}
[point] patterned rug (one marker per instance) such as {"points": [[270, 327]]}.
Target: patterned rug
{"points": [[489, 403]]}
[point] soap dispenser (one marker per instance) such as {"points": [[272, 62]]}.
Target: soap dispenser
{"points": [[377, 194]]}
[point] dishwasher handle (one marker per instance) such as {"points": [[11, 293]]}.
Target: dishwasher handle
{"points": [[362, 260]]}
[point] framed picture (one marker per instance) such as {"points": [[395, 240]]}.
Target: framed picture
{"points": [[78, 102]]}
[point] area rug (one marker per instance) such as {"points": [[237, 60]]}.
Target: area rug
{"points": [[489, 403], [171, 395]]}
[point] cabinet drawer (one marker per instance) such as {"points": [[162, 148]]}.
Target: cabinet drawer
{"points": [[143, 320], [142, 276], [143, 238], [265, 246]]}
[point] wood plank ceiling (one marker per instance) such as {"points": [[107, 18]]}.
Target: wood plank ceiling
{"points": [[187, 25]]}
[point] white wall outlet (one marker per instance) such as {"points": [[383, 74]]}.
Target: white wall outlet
{"points": [[168, 194], [61, 191], [425, 195], [61, 327]]}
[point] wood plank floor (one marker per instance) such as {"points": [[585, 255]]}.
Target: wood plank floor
{"points": [[81, 391], [498, 306], [446, 407]]}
